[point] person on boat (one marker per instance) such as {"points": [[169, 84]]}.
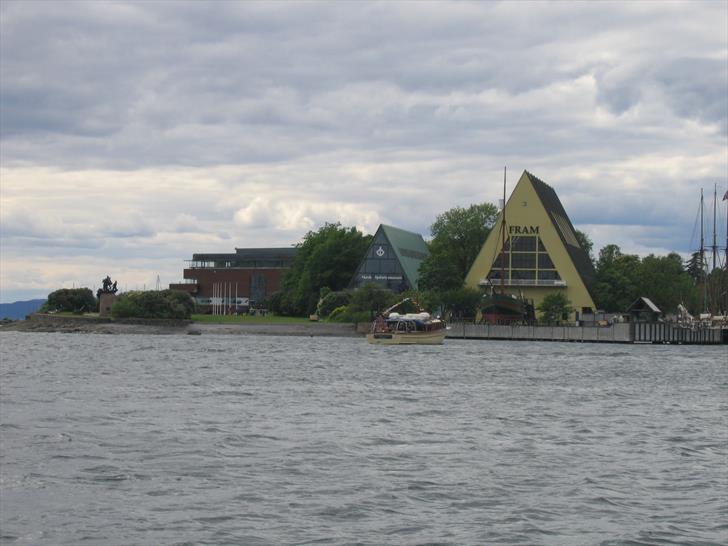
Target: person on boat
{"points": [[380, 325]]}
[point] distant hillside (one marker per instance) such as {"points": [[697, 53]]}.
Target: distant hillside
{"points": [[20, 309]]}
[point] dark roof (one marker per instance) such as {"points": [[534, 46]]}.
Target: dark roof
{"points": [[642, 304], [266, 253], [252, 257], [566, 231]]}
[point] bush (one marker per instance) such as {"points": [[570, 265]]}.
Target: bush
{"points": [[462, 303], [331, 301], [345, 314], [161, 304], [554, 308], [373, 298], [125, 307], [71, 300]]}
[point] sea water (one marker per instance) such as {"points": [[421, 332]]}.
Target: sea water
{"points": [[252, 440]]}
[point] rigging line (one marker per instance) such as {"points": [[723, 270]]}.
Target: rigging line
{"points": [[693, 235]]}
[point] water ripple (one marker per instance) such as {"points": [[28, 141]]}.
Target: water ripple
{"points": [[261, 440]]}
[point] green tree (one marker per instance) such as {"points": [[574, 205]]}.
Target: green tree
{"points": [[617, 282], [585, 243], [717, 291], [664, 280], [622, 278], [457, 237], [72, 300], [695, 266], [461, 303], [331, 301], [555, 307], [325, 258], [372, 298]]}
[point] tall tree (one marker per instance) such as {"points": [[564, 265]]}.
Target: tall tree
{"points": [[622, 278], [585, 242], [76, 300], [616, 284], [457, 237], [664, 280], [325, 258], [696, 266]]}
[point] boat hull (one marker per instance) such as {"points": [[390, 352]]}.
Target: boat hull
{"points": [[435, 337], [505, 309]]}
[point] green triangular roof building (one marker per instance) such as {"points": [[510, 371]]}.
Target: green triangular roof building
{"points": [[392, 260]]}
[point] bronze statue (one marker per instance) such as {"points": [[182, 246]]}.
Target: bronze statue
{"points": [[108, 287]]}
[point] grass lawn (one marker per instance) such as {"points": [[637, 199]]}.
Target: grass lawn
{"points": [[246, 319], [71, 314]]}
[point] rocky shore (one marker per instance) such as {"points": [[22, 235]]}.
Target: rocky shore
{"points": [[95, 325]]}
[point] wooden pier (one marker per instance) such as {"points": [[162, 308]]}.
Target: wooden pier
{"points": [[634, 332]]}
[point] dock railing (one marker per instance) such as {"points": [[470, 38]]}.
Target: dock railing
{"points": [[627, 332]]}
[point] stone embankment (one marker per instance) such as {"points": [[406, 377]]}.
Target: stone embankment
{"points": [[39, 322]]}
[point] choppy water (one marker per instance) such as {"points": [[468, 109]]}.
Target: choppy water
{"points": [[270, 440]]}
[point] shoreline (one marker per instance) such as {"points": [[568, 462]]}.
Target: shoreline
{"points": [[621, 333], [95, 325]]}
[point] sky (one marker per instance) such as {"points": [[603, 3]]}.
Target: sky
{"points": [[134, 134]]}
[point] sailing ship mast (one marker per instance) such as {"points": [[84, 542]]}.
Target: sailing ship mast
{"points": [[702, 256], [715, 244], [503, 237]]}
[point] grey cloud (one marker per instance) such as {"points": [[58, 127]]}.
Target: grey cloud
{"points": [[314, 85], [697, 88], [179, 83]]}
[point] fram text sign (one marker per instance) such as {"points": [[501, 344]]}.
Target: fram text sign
{"points": [[523, 230]]}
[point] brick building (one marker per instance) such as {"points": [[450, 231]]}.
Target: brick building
{"points": [[235, 281]]}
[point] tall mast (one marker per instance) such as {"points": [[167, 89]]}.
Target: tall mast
{"points": [[725, 196], [702, 256], [715, 244], [503, 236]]}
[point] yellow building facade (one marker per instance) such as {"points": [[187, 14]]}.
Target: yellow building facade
{"points": [[541, 254]]}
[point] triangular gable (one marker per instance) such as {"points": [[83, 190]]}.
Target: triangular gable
{"points": [[392, 260], [410, 249], [642, 303], [536, 218]]}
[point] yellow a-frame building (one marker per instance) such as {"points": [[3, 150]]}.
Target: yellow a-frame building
{"points": [[541, 253]]}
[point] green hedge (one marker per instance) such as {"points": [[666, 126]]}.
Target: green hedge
{"points": [[71, 300], [331, 301], [345, 314], [161, 304]]}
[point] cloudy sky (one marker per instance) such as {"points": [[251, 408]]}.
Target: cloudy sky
{"points": [[136, 133]]}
